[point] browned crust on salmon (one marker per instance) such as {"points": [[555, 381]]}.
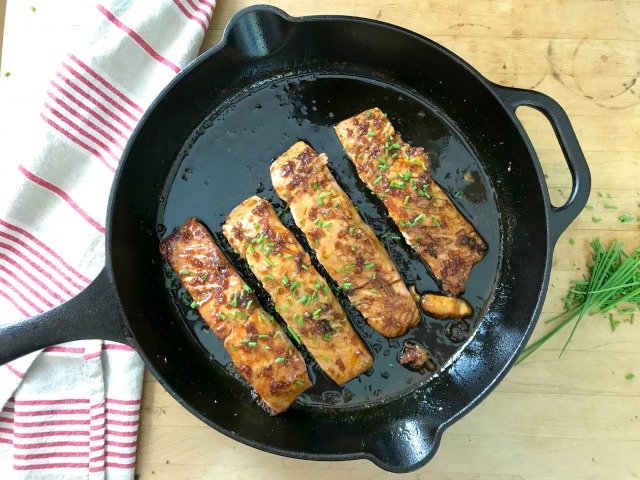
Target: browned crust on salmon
{"points": [[262, 352], [427, 218], [345, 245], [301, 295]]}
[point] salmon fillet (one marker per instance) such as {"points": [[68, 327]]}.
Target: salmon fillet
{"points": [[399, 175], [301, 295], [345, 245], [262, 352]]}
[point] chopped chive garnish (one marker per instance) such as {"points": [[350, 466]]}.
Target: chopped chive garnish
{"points": [[614, 323], [268, 276], [305, 267], [317, 312], [315, 185], [631, 376], [369, 266], [266, 259], [351, 230], [321, 196], [263, 335], [336, 205], [222, 316], [185, 272], [293, 334], [253, 250], [381, 195], [325, 289], [233, 347], [424, 167], [611, 207], [253, 344], [458, 194], [373, 276], [373, 290], [347, 286], [359, 155], [406, 199], [371, 134], [625, 218], [572, 241], [300, 382], [588, 207], [288, 256], [435, 220], [249, 304], [240, 314], [285, 279], [194, 304], [234, 302], [390, 365], [245, 341], [417, 220], [247, 288], [279, 360], [596, 219], [377, 180]]}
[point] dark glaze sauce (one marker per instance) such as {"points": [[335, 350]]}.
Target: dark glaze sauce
{"points": [[227, 160]]}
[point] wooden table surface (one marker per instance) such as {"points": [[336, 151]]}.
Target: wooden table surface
{"points": [[550, 418]]}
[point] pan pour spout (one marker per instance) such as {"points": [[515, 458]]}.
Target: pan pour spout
{"points": [[259, 33]]}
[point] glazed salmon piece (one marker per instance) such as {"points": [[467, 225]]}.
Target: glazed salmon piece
{"points": [[399, 175], [301, 296], [262, 352], [345, 245]]}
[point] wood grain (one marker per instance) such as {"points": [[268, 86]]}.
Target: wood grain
{"points": [[574, 417]]}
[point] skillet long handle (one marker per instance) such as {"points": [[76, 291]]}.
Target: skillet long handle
{"points": [[559, 217], [93, 314]]}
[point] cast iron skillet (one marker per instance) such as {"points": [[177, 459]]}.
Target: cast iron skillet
{"points": [[206, 143]]}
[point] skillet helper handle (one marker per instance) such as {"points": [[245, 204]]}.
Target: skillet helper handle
{"points": [[559, 217], [92, 314]]}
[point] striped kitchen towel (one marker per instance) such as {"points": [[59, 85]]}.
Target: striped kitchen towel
{"points": [[72, 411]]}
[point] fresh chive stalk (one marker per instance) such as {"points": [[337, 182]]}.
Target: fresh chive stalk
{"points": [[614, 279]]}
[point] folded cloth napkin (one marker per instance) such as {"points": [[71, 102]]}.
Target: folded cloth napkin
{"points": [[72, 410]]}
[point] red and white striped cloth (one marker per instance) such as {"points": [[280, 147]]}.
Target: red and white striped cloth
{"points": [[72, 411]]}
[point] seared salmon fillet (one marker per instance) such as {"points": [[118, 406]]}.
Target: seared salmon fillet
{"points": [[258, 346], [301, 295], [399, 175], [345, 245]]}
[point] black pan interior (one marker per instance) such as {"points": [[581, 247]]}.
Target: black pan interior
{"points": [[228, 158], [207, 144]]}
